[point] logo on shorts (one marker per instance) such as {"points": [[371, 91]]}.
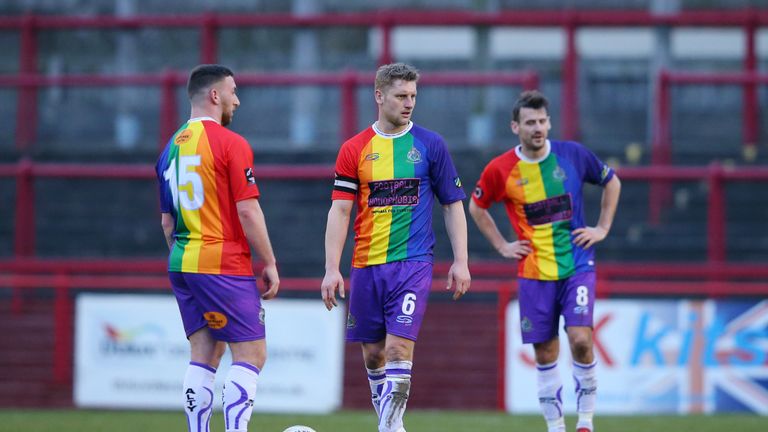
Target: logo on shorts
{"points": [[526, 325], [351, 321], [216, 320], [404, 319], [262, 315], [581, 310]]}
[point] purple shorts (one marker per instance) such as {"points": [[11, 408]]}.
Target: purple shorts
{"points": [[542, 303], [388, 299], [230, 306]]}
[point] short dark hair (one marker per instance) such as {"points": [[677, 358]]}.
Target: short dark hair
{"points": [[389, 73], [529, 99], [203, 76]]}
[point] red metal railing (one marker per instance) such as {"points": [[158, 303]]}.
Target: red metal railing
{"points": [[661, 150], [347, 81], [26, 171], [209, 24]]}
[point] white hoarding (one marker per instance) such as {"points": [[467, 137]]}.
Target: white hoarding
{"points": [[131, 352], [659, 356]]}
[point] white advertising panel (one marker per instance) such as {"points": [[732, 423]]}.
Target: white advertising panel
{"points": [[131, 352], [659, 356]]}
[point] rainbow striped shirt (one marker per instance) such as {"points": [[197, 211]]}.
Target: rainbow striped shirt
{"points": [[543, 200], [203, 171], [394, 178]]}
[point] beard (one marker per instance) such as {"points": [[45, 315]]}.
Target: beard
{"points": [[226, 118]]}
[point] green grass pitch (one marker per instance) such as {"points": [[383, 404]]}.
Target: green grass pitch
{"points": [[362, 421]]}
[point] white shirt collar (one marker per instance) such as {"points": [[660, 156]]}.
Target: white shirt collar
{"points": [[519, 153], [201, 119], [395, 135]]}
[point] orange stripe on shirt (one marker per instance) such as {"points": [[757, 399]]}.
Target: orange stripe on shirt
{"points": [[210, 217], [365, 230]]}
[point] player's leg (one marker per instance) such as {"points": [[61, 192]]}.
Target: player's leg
{"points": [[206, 353], [232, 309], [240, 384], [539, 319], [365, 324], [397, 389], [407, 284], [578, 308], [373, 356]]}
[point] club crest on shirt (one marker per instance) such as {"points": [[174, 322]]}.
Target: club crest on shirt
{"points": [[413, 156], [249, 177], [559, 174]]}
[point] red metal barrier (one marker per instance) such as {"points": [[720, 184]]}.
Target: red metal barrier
{"points": [[210, 23], [348, 82]]}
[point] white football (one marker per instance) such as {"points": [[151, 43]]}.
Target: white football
{"points": [[299, 428]]}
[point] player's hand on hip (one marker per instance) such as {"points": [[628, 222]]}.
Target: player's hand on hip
{"points": [[271, 280], [585, 237], [516, 250], [331, 282], [459, 279]]}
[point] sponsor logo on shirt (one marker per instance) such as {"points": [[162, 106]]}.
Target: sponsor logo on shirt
{"points": [[396, 192], [478, 192], [457, 181], [249, 177], [183, 137], [522, 181], [371, 156], [554, 209], [413, 156]]}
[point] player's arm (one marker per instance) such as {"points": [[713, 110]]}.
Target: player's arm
{"points": [[588, 236], [255, 229], [456, 225], [484, 221], [335, 235], [168, 224]]}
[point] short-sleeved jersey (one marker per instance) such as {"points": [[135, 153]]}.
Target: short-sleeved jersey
{"points": [[394, 179], [543, 200], [203, 172]]}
